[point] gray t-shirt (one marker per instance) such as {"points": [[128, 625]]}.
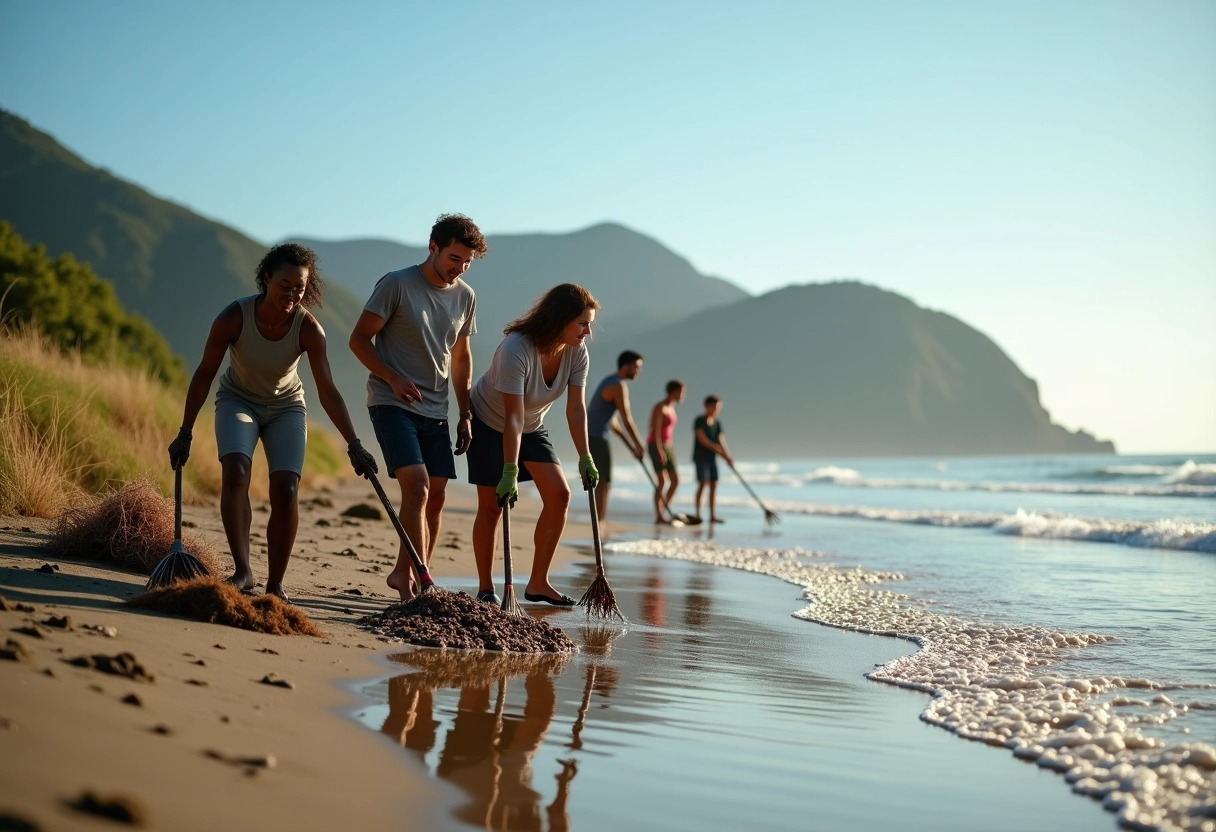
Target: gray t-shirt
{"points": [[516, 369], [421, 325]]}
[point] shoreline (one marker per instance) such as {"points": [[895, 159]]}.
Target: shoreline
{"points": [[206, 739]]}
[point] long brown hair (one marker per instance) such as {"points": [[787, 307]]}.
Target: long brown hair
{"points": [[544, 322]]}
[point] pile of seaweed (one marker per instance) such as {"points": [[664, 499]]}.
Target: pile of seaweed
{"points": [[219, 602], [455, 619], [133, 527]]}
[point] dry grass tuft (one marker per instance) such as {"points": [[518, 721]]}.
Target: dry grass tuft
{"points": [[132, 527], [219, 602]]}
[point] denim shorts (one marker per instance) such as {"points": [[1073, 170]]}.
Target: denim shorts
{"points": [[409, 439], [283, 431], [707, 468], [485, 453]]}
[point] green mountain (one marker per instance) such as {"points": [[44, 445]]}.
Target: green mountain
{"points": [[167, 263], [640, 284], [845, 369]]}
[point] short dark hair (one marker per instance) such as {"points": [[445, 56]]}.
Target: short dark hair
{"points": [[463, 230], [674, 385], [293, 254], [712, 399], [627, 357]]}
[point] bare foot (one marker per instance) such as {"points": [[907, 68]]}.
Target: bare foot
{"points": [[242, 580], [277, 590], [406, 589]]}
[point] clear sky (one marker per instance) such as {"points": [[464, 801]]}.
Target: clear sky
{"points": [[1044, 170]]}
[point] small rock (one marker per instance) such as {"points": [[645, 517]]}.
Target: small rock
{"points": [[269, 650], [122, 808], [132, 699], [59, 622], [198, 683], [30, 630], [364, 511], [15, 651], [49, 568], [108, 632], [120, 664], [200, 663], [271, 679], [324, 522], [163, 730], [355, 591], [348, 553], [24, 608]]}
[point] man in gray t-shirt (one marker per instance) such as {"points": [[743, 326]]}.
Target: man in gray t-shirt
{"points": [[413, 336]]}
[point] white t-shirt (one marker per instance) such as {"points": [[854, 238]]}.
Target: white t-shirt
{"points": [[516, 369]]}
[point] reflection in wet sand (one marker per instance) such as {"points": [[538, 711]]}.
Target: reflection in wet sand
{"points": [[487, 752]]}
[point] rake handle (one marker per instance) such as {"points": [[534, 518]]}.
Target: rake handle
{"points": [[177, 502], [595, 531], [655, 486], [506, 544], [419, 566]]}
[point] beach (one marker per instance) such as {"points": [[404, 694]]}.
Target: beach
{"points": [[715, 707]]}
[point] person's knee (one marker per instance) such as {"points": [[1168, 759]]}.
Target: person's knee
{"points": [[560, 500], [284, 487], [236, 470], [415, 486], [435, 501]]}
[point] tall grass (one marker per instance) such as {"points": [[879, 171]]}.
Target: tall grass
{"points": [[71, 428]]}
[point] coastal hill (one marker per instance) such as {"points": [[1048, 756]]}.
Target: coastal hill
{"points": [[640, 283], [835, 369], [845, 369]]}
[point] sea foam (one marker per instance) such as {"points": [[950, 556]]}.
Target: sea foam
{"points": [[997, 684], [1157, 534]]}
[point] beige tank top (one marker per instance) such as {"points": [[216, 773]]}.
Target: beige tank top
{"points": [[262, 371]]}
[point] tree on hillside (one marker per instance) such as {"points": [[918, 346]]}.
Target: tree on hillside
{"points": [[75, 308]]}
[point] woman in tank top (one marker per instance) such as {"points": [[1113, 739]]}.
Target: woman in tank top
{"points": [[542, 358], [260, 396]]}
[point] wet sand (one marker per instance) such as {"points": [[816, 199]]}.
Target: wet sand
{"points": [[714, 707]]}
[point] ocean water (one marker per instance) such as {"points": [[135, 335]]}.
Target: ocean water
{"points": [[1046, 623]]}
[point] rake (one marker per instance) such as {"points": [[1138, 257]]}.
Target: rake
{"points": [[599, 599], [509, 605], [178, 565], [424, 577], [770, 517]]}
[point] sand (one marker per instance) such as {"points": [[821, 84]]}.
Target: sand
{"points": [[204, 724]]}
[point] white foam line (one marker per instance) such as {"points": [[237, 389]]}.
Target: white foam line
{"points": [[1158, 534], [995, 684]]}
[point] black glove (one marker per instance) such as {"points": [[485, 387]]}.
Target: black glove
{"points": [[362, 461], [179, 448]]}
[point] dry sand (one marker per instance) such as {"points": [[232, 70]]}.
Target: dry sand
{"points": [[210, 742]]}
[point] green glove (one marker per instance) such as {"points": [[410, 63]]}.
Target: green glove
{"points": [[508, 486], [590, 474]]}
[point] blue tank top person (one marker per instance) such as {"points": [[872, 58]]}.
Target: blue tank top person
{"points": [[599, 410]]}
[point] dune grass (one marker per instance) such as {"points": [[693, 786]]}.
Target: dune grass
{"points": [[72, 429]]}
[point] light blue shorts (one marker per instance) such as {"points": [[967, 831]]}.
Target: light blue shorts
{"points": [[283, 431]]}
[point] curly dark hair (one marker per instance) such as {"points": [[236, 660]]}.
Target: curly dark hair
{"points": [[463, 230], [293, 254], [544, 322]]}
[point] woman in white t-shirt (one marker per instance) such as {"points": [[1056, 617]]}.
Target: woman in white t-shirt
{"points": [[542, 356]]}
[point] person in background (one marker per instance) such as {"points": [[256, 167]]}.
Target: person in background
{"points": [[611, 398], [662, 452], [421, 319], [709, 443], [543, 356], [260, 396]]}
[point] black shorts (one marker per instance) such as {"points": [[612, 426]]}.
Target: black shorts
{"points": [[409, 439], [601, 453], [485, 453]]}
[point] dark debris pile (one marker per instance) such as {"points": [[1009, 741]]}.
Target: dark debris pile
{"points": [[455, 619]]}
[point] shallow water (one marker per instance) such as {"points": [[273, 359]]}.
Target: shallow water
{"points": [[715, 709]]}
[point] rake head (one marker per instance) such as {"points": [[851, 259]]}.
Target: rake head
{"points": [[600, 600], [178, 565], [771, 517], [509, 605]]}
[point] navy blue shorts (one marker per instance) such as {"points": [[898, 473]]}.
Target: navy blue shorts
{"points": [[707, 469], [485, 453], [409, 439]]}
